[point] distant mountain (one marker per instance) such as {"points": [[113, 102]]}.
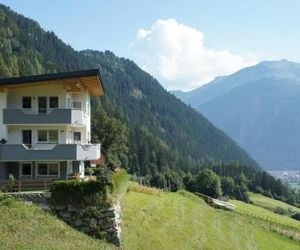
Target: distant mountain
{"points": [[259, 107], [163, 134]]}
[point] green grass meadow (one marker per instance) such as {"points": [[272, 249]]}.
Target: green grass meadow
{"points": [[152, 219], [183, 221]]}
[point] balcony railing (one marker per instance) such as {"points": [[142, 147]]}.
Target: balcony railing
{"points": [[50, 116], [25, 185], [60, 152]]}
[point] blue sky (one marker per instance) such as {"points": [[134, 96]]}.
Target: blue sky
{"points": [[226, 35]]}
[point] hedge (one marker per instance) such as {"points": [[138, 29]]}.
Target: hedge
{"points": [[79, 193]]}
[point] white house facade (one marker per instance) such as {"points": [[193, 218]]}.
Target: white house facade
{"points": [[45, 125]]}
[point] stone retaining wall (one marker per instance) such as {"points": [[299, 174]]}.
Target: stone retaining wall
{"points": [[101, 223], [38, 198]]}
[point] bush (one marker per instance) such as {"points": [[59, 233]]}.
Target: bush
{"points": [[79, 193], [208, 183], [282, 211], [188, 182]]}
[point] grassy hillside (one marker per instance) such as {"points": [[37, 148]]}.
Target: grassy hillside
{"points": [[262, 213], [270, 204], [183, 221], [25, 226], [151, 220]]}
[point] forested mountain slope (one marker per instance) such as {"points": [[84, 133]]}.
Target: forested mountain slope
{"points": [[138, 122]]}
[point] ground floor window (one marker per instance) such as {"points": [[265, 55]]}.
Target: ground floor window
{"points": [[47, 169], [26, 170]]}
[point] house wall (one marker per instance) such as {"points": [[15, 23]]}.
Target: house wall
{"points": [[14, 96], [15, 134], [65, 134]]}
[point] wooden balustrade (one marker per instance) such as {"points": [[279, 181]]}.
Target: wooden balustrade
{"points": [[25, 185]]}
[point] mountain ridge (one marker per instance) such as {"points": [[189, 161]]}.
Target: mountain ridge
{"points": [[251, 103]]}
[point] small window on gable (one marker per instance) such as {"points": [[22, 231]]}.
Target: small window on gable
{"points": [[26, 102], [53, 102]]}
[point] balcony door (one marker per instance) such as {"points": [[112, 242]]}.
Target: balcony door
{"points": [[27, 138], [42, 104]]}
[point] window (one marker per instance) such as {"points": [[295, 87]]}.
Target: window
{"points": [[48, 136], [42, 135], [26, 170], [42, 169], [77, 136], [48, 169], [53, 102], [26, 102], [42, 104], [53, 136], [76, 105], [53, 169]]}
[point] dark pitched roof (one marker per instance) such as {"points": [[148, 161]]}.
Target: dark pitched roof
{"points": [[50, 77]]}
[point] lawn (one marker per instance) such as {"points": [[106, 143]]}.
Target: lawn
{"points": [[270, 204], [152, 219], [262, 213], [25, 226], [183, 221]]}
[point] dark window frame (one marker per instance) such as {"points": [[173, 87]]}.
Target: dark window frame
{"points": [[29, 98]]}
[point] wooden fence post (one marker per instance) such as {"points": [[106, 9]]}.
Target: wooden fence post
{"points": [[19, 186]]}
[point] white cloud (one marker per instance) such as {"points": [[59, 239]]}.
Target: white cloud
{"points": [[175, 54]]}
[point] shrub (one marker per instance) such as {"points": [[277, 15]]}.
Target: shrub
{"points": [[209, 183], [188, 182], [282, 211], [89, 171], [79, 193]]}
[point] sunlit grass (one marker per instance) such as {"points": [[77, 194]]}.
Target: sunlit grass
{"points": [[25, 226], [152, 219], [183, 221], [271, 204]]}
